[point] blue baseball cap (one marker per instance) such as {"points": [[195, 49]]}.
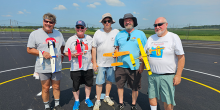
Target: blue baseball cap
{"points": [[80, 22]]}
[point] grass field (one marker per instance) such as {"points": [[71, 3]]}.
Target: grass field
{"points": [[192, 34]]}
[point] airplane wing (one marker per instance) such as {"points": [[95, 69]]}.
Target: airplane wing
{"points": [[144, 55], [108, 54], [52, 60], [132, 60], [41, 57], [79, 51], [69, 54], [116, 54]]}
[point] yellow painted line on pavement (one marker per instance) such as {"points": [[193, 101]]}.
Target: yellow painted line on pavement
{"points": [[15, 79], [202, 84], [23, 77]]}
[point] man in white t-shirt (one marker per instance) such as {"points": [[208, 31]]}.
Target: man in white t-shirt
{"points": [[167, 60], [83, 75], [103, 42], [38, 42]]}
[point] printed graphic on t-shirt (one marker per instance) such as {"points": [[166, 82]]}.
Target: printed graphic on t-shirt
{"points": [[84, 46], [50, 38], [156, 50]]}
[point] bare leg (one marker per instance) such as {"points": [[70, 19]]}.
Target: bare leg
{"points": [[134, 97], [108, 88], [56, 89], [120, 94], [45, 90], [76, 95], [98, 91], [168, 107], [87, 91]]}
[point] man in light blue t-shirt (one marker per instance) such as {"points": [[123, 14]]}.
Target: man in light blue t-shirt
{"points": [[126, 40]]}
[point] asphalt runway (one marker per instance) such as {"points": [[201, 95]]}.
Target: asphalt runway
{"points": [[199, 89]]}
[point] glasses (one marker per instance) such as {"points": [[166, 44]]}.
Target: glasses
{"points": [[48, 22], [79, 27], [109, 21], [129, 35], [159, 24]]}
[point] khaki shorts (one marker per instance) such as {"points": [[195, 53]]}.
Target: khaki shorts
{"points": [[161, 86], [132, 77]]}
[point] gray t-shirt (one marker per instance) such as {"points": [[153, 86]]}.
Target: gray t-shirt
{"points": [[38, 39], [86, 58]]}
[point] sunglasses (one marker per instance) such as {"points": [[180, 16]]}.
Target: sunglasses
{"points": [[79, 27], [159, 24], [48, 21], [109, 21], [129, 35]]}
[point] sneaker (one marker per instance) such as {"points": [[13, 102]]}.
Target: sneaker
{"points": [[58, 107], [76, 105], [108, 100], [120, 107], [89, 103], [133, 108], [97, 105], [47, 109]]}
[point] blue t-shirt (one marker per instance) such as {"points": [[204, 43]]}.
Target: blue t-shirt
{"points": [[131, 45]]}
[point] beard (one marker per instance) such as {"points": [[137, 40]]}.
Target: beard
{"points": [[160, 33], [127, 27]]}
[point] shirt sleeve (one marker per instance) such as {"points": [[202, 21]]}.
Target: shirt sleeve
{"points": [[31, 41], [63, 42], [178, 48], [94, 44], [68, 45], [144, 39]]}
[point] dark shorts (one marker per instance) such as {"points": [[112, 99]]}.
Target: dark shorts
{"points": [[133, 78], [81, 77]]}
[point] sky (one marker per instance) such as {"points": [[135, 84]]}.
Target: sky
{"points": [[179, 13]]}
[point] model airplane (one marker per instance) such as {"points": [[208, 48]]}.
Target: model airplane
{"points": [[79, 51], [144, 55], [116, 55], [133, 60], [41, 57], [51, 45]]}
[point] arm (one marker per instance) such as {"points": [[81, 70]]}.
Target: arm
{"points": [[141, 68], [35, 52], [94, 58], [181, 63], [61, 49]]}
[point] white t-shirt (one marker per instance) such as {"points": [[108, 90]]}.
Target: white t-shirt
{"points": [[162, 52], [104, 43], [38, 39], [86, 58]]}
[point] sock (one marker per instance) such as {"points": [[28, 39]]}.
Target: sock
{"points": [[153, 107], [46, 104], [98, 100], [77, 100], [57, 102], [87, 98], [106, 96]]}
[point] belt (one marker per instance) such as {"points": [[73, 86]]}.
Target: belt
{"points": [[168, 74]]}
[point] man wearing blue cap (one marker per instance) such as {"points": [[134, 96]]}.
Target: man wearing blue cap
{"points": [[83, 75]]}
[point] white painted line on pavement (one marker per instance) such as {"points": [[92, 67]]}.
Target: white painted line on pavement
{"points": [[21, 68], [40, 93], [201, 47], [201, 72], [16, 69]]}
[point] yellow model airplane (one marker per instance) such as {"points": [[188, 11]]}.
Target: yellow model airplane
{"points": [[133, 60], [116, 55], [144, 55]]}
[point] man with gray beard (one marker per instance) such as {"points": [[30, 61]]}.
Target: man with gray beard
{"points": [[167, 60], [126, 40]]}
